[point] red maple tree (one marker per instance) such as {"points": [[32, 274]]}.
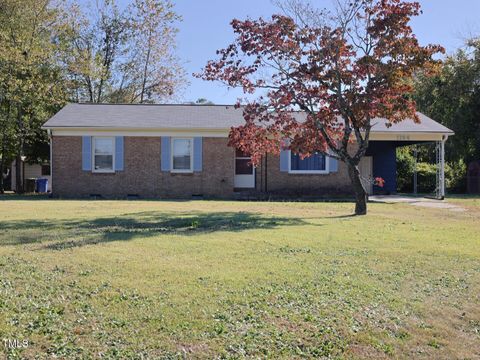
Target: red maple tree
{"points": [[322, 84]]}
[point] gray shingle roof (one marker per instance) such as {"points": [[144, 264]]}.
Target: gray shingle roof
{"points": [[208, 117], [147, 116], [426, 125]]}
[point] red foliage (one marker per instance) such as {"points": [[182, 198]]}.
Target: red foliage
{"points": [[341, 78], [379, 182]]}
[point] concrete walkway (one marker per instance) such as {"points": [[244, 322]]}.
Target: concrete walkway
{"points": [[415, 201]]}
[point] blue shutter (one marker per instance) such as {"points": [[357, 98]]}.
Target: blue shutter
{"points": [[333, 166], [86, 153], [197, 154], [284, 154], [118, 153], [165, 155]]}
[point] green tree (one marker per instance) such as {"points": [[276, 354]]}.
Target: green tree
{"points": [[453, 98], [7, 148], [31, 86]]}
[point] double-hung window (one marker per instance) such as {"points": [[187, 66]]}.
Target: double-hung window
{"points": [[243, 163], [103, 154], [314, 164], [182, 154]]}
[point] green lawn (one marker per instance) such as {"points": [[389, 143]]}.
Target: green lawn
{"points": [[150, 279]]}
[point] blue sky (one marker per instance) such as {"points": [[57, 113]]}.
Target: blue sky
{"points": [[205, 28]]}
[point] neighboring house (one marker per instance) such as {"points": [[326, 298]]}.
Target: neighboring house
{"points": [[30, 171], [180, 151]]}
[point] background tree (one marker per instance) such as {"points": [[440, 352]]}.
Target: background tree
{"points": [[94, 46], [124, 56], [200, 101], [452, 97], [156, 73], [7, 148], [31, 85], [342, 72]]}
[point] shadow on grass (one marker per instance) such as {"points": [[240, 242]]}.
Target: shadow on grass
{"points": [[15, 197], [63, 234]]}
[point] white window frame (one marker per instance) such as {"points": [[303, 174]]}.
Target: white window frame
{"points": [[172, 141], [243, 158], [93, 154], [312, 172]]}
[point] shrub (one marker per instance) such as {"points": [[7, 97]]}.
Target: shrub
{"points": [[455, 174], [426, 177], [455, 177], [405, 167]]}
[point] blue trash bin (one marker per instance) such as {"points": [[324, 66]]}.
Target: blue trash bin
{"points": [[41, 185]]}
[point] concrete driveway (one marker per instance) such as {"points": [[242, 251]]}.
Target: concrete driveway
{"points": [[416, 201]]}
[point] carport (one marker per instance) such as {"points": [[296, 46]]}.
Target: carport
{"points": [[380, 158]]}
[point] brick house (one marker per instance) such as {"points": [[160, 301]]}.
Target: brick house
{"points": [[180, 151]]}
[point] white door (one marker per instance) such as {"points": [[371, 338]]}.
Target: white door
{"points": [[244, 171], [366, 172]]}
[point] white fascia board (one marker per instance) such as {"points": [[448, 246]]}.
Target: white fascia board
{"points": [[407, 136], [222, 133]]}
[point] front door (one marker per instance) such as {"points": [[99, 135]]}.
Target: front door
{"points": [[244, 171], [366, 172]]}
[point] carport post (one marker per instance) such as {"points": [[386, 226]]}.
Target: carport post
{"points": [[415, 176], [442, 168]]}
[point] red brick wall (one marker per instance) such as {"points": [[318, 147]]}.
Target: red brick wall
{"points": [[215, 179], [290, 184], [142, 174]]}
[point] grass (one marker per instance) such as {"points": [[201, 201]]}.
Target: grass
{"points": [[204, 279]]}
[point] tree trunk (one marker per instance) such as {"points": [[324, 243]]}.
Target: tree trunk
{"points": [[145, 69], [2, 160], [3, 152], [2, 187], [18, 160], [18, 174], [360, 193]]}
